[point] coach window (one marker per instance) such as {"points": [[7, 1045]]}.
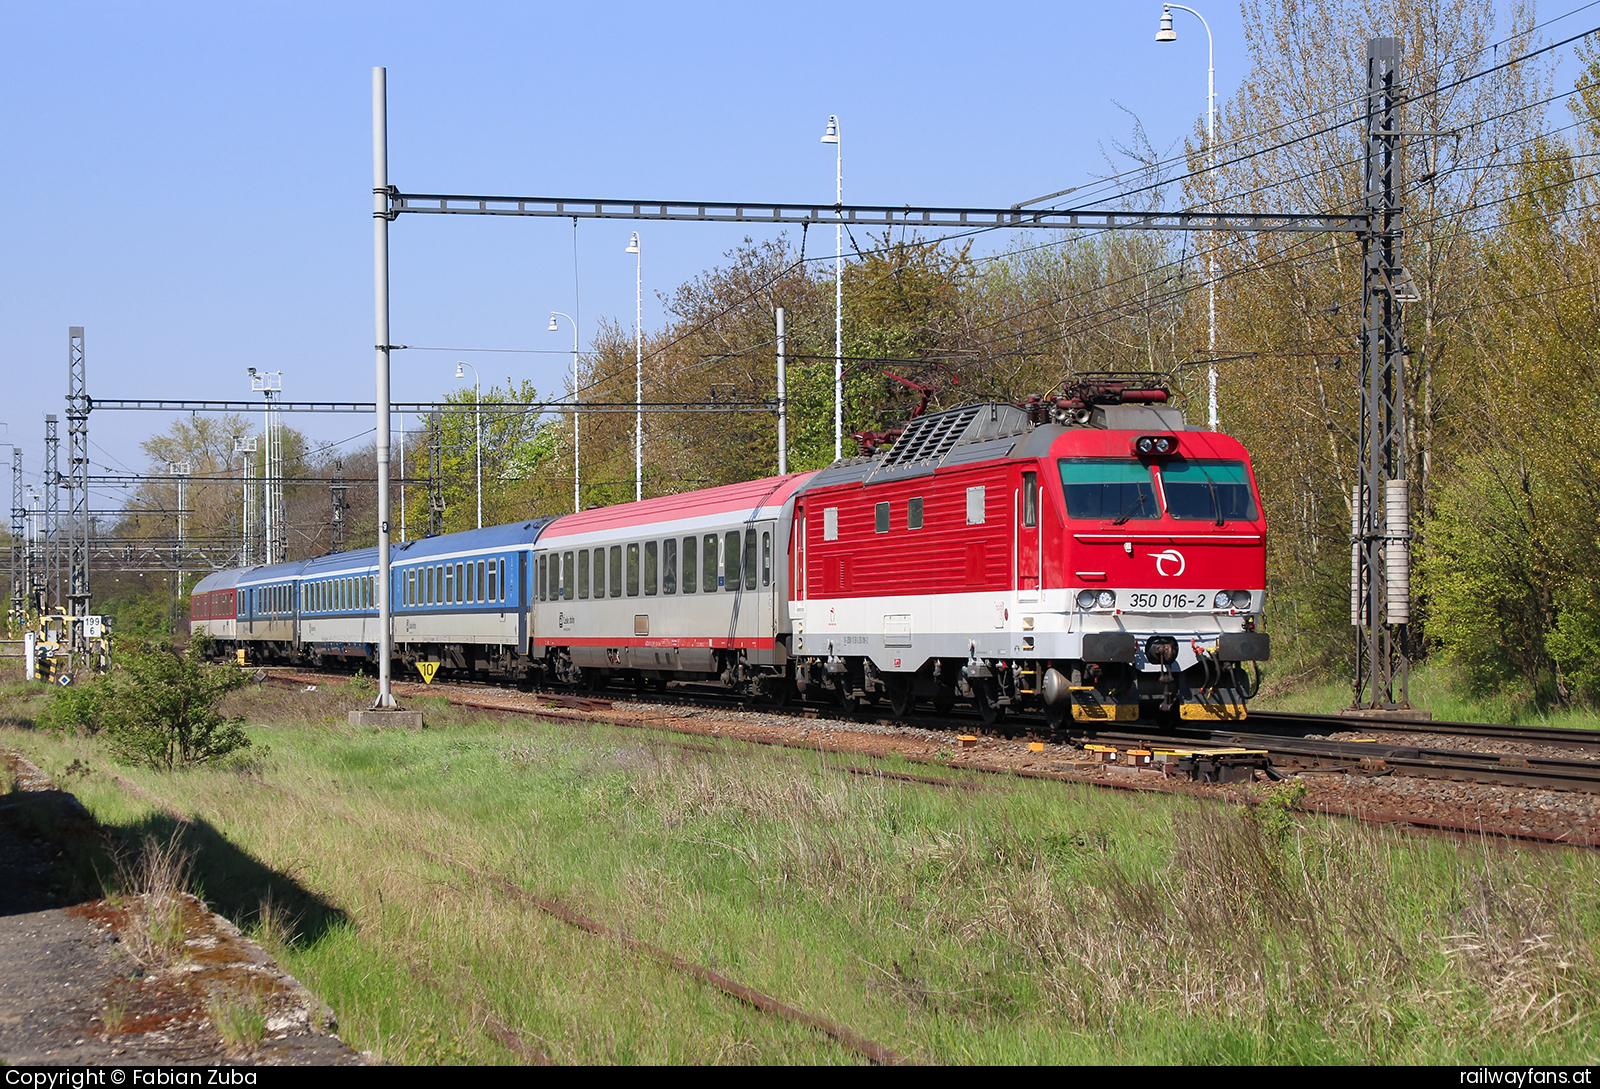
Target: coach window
{"points": [[616, 570], [450, 584], [650, 568], [880, 518], [708, 565], [730, 560], [750, 559], [427, 585], [766, 558], [544, 570], [566, 577], [914, 512], [633, 570], [669, 566], [503, 580], [689, 562], [472, 582], [583, 574], [1030, 499], [599, 572]]}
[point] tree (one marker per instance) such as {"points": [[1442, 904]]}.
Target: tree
{"points": [[159, 708]]}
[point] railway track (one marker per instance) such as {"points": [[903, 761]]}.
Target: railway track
{"points": [[1280, 734], [1286, 721]]}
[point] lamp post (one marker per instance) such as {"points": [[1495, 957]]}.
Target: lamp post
{"points": [[554, 314], [832, 137], [1167, 34], [638, 367], [477, 431]]}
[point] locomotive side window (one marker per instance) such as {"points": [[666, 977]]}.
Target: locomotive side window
{"points": [[880, 518], [708, 568], [566, 577], [1030, 499], [766, 558], [650, 568], [690, 562], [975, 506], [914, 512], [616, 570], [669, 566], [1118, 489], [633, 570], [749, 559], [830, 523], [583, 574], [599, 572], [730, 561], [1211, 491]]}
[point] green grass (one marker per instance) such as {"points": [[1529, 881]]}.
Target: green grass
{"points": [[1433, 688], [1026, 922]]}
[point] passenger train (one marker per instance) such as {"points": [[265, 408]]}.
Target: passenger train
{"points": [[1088, 556]]}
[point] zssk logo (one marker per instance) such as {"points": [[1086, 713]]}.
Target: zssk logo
{"points": [[1171, 555]]}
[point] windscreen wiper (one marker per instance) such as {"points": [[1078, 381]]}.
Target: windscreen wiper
{"points": [[1128, 511]]}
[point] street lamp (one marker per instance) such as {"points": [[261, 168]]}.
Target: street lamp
{"points": [[638, 367], [477, 430], [1167, 34], [832, 137], [554, 314]]}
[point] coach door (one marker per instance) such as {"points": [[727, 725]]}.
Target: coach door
{"points": [[1028, 557], [797, 563]]}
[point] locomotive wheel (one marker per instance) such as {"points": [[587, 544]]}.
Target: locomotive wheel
{"points": [[983, 695], [901, 701]]}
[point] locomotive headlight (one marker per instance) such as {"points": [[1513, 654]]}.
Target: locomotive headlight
{"points": [[1147, 445], [1085, 599], [1241, 599], [1105, 599], [1222, 600], [1163, 445]]}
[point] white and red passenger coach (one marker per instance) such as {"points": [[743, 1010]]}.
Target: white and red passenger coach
{"points": [[1090, 556]]}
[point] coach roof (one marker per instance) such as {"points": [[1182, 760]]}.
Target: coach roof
{"points": [[737, 502]]}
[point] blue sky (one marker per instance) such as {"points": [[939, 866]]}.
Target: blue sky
{"points": [[191, 182]]}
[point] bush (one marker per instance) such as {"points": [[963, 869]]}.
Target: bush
{"points": [[159, 708]]}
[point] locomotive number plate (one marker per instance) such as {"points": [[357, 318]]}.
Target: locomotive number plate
{"points": [[1169, 600]]}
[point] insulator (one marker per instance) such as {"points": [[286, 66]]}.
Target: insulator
{"points": [[1397, 552], [1356, 589]]}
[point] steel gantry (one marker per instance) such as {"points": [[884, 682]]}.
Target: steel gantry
{"points": [[79, 519]]}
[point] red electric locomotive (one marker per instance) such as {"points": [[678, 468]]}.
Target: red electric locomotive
{"points": [[1090, 556]]}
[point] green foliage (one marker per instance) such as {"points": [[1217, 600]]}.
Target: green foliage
{"points": [[1490, 608], [1275, 811], [159, 708]]}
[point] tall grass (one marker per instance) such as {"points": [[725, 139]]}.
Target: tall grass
{"points": [[1021, 922]]}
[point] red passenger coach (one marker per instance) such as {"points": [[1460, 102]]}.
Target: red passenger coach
{"points": [[1092, 555]]}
